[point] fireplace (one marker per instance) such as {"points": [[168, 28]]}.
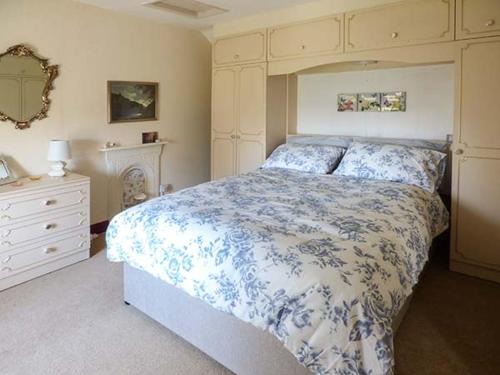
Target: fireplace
{"points": [[133, 175]]}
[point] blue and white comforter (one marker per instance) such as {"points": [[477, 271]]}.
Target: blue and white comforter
{"points": [[322, 262]]}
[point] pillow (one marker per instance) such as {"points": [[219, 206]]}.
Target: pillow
{"points": [[409, 165], [308, 158]]}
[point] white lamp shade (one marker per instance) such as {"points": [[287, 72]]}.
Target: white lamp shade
{"points": [[59, 150]]}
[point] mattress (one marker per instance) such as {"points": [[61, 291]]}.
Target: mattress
{"points": [[323, 263]]}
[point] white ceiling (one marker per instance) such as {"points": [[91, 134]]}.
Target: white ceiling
{"points": [[237, 9]]}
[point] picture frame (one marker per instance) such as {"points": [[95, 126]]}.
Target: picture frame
{"points": [[369, 102], [149, 137], [132, 101], [347, 103], [6, 177], [393, 101]]}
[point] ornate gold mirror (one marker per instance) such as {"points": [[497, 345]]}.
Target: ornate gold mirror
{"points": [[25, 83]]}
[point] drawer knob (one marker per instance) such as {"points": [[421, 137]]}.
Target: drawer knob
{"points": [[236, 57], [49, 202], [459, 151], [394, 35], [6, 269], [49, 250], [490, 23], [49, 226], [6, 259], [303, 47]]}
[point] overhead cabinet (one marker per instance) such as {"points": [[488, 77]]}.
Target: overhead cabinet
{"points": [[478, 18], [240, 49], [400, 24], [312, 38]]}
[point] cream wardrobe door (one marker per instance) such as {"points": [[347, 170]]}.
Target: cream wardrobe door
{"points": [[476, 175], [251, 132], [224, 109]]}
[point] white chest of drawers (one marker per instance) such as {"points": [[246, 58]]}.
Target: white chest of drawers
{"points": [[44, 226]]}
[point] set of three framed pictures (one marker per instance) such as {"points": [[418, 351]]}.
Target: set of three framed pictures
{"points": [[394, 101]]}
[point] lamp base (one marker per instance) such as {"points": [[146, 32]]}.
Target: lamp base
{"points": [[57, 169]]}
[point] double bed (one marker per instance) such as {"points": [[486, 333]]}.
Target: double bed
{"points": [[281, 271]]}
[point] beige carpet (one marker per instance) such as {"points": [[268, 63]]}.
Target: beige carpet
{"points": [[73, 321]]}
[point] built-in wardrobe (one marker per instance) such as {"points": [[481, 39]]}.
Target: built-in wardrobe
{"points": [[249, 119]]}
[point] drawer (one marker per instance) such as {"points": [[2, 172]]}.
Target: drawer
{"points": [[15, 261], [400, 24], [478, 18], [43, 202], [240, 49], [318, 37], [20, 234]]}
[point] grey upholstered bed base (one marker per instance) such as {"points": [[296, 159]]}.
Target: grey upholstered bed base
{"points": [[239, 346]]}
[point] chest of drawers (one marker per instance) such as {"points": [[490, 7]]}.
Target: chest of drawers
{"points": [[44, 226]]}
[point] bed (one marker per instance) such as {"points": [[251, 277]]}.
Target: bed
{"points": [[279, 271]]}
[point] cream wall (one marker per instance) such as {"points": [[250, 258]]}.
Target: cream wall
{"points": [[92, 46], [430, 106], [311, 9]]}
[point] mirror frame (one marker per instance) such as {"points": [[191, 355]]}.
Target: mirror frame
{"points": [[50, 71]]}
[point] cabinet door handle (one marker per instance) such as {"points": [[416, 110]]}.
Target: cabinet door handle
{"points": [[303, 47], [49, 226], [236, 57], [49, 202], [49, 250], [459, 151], [490, 23], [233, 136], [6, 259], [6, 269], [394, 35]]}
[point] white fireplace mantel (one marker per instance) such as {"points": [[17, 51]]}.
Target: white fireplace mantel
{"points": [[121, 159]]}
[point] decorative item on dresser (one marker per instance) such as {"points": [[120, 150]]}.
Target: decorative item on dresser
{"points": [[44, 226], [59, 152]]}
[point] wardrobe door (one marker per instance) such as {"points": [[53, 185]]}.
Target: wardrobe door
{"points": [[224, 107], [476, 177], [251, 132]]}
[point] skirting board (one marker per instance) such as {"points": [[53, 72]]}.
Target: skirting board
{"points": [[239, 346], [476, 271]]}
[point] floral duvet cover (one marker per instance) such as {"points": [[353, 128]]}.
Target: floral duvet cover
{"points": [[322, 262]]}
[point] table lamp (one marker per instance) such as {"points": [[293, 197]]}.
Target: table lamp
{"points": [[59, 151]]}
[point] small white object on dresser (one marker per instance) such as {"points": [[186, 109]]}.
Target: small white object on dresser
{"points": [[44, 226]]}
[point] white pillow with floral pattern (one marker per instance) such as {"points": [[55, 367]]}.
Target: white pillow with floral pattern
{"points": [[409, 165], [321, 159]]}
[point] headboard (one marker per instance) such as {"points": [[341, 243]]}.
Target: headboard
{"points": [[345, 141]]}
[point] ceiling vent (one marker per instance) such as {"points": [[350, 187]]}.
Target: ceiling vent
{"points": [[189, 8]]}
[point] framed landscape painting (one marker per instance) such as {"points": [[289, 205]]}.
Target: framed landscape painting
{"points": [[132, 101]]}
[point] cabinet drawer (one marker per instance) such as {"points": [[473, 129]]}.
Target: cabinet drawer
{"points": [[478, 18], [15, 261], [41, 203], [20, 234], [400, 24], [240, 49], [318, 37]]}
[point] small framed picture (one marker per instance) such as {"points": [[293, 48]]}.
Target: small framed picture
{"points": [[149, 137], [132, 101], [369, 102], [394, 101], [347, 103], [6, 176]]}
